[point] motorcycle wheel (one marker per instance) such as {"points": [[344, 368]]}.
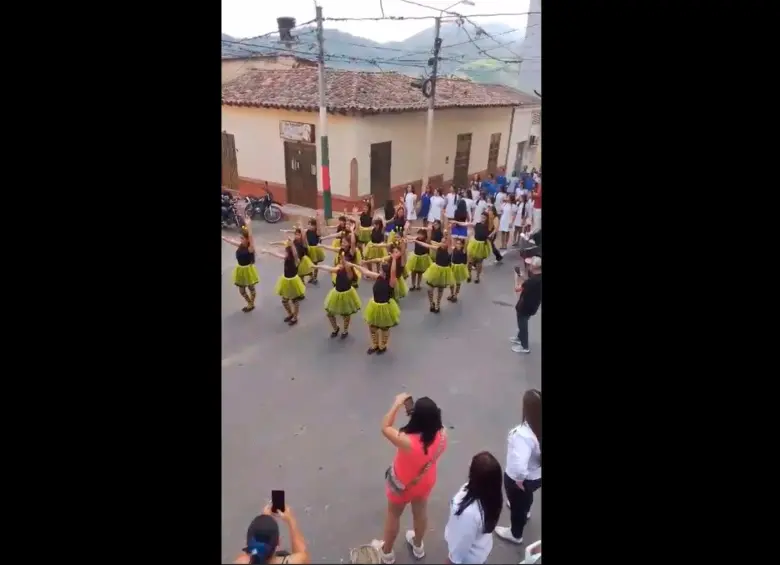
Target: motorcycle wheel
{"points": [[272, 214]]}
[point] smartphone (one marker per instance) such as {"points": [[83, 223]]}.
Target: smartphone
{"points": [[409, 405], [518, 271], [277, 500]]}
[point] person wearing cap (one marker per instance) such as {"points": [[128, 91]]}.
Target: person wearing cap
{"points": [[530, 297], [262, 540]]}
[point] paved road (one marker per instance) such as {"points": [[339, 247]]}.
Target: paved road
{"points": [[301, 412]]}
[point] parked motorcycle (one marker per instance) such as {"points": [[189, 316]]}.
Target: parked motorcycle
{"points": [[264, 207], [230, 215]]}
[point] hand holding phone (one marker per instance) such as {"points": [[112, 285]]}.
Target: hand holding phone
{"points": [[409, 405], [277, 501]]}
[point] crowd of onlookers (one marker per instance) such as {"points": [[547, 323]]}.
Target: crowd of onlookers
{"points": [[475, 509]]}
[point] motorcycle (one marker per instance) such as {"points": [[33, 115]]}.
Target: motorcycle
{"points": [[264, 207], [230, 215]]}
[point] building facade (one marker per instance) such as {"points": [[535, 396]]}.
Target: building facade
{"points": [[376, 141]]}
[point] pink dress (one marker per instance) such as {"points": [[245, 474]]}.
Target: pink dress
{"points": [[407, 465]]}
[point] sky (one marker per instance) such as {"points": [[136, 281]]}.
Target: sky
{"points": [[248, 18]]}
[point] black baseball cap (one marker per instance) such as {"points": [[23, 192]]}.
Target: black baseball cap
{"points": [[262, 537]]}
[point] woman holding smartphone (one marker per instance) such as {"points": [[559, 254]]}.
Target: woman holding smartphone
{"points": [[262, 540], [412, 476]]}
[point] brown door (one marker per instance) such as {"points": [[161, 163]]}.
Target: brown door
{"points": [[460, 176], [495, 143], [300, 168], [381, 162], [229, 161]]}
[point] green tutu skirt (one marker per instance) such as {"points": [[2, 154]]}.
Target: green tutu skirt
{"points": [[438, 276], [245, 275], [342, 303], [373, 251], [336, 243], [478, 250], [382, 315], [460, 271], [418, 263], [316, 254], [364, 234], [401, 288], [291, 289], [305, 267]]}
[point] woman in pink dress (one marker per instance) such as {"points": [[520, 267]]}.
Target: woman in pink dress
{"points": [[412, 476]]}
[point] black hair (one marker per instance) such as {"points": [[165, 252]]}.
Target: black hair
{"points": [[461, 213], [389, 210], [485, 481], [425, 420]]}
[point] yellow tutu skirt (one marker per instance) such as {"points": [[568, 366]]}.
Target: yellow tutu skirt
{"points": [[373, 251], [460, 271], [291, 289], [401, 288], [364, 234], [245, 275], [316, 254], [478, 250], [418, 263], [305, 267], [342, 303], [382, 315], [438, 276], [336, 243]]}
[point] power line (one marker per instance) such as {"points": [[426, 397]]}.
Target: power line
{"points": [[273, 32]]}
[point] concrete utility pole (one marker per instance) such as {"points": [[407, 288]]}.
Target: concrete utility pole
{"points": [[431, 105], [323, 179]]}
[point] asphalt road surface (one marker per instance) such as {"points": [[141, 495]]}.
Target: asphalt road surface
{"points": [[301, 412]]}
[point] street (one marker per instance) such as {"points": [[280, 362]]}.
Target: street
{"points": [[301, 412]]}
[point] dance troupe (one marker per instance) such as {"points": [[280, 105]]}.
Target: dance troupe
{"points": [[364, 247]]}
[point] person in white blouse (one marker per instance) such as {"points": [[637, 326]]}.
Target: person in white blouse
{"points": [[452, 198], [523, 471], [508, 211], [522, 217], [437, 205], [410, 201], [474, 512]]}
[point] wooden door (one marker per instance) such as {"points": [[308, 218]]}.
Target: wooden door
{"points": [[381, 163], [300, 171], [460, 176], [519, 158], [495, 143], [229, 161]]}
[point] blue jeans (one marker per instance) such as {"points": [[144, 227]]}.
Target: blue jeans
{"points": [[522, 329]]}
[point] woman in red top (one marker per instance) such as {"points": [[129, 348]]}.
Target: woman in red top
{"points": [[412, 476]]}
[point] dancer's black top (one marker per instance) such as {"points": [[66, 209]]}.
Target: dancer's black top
{"points": [[342, 283], [244, 256], [436, 235], [382, 291], [481, 231], [419, 249], [312, 238], [377, 235], [300, 248], [459, 257], [442, 257], [290, 268], [365, 220]]}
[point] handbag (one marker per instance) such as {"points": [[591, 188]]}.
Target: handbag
{"points": [[397, 486]]}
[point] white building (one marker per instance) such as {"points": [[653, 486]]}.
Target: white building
{"points": [[531, 66]]}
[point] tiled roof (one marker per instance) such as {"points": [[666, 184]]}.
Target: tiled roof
{"points": [[366, 92]]}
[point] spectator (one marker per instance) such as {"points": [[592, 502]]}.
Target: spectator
{"points": [[262, 540], [537, 217], [412, 476], [425, 205], [523, 471], [530, 290], [474, 512]]}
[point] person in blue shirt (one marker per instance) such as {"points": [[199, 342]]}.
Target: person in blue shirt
{"points": [[490, 186], [528, 182], [425, 205]]}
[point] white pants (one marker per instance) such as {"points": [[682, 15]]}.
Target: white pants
{"points": [[536, 223]]}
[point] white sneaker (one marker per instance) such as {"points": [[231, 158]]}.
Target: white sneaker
{"points": [[514, 340], [520, 349], [506, 533], [387, 558], [419, 552]]}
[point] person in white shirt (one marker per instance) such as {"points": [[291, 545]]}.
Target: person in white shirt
{"points": [[470, 205], [437, 205], [523, 471], [480, 206], [452, 199], [410, 201], [474, 512], [508, 211]]}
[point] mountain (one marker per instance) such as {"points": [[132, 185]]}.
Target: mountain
{"points": [[464, 53]]}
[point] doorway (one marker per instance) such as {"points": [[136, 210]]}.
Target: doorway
{"points": [[460, 175], [519, 157], [381, 163], [495, 144], [300, 171], [229, 161]]}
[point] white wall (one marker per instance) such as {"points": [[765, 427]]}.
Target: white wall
{"points": [[522, 129], [260, 150], [407, 133]]}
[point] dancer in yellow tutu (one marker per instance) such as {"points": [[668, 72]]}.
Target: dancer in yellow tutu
{"points": [[478, 248], [305, 264], [343, 299], [316, 254], [439, 275], [376, 247], [419, 260], [289, 287], [366, 222], [460, 270], [397, 226], [348, 243], [382, 311], [245, 273], [340, 228]]}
